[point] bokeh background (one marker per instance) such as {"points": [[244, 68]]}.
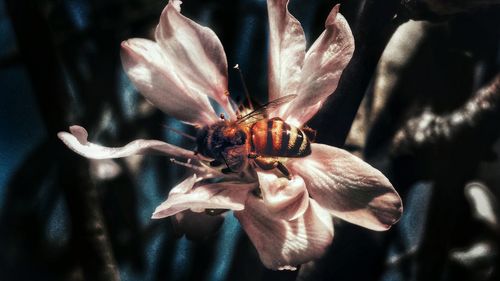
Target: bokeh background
{"points": [[420, 101]]}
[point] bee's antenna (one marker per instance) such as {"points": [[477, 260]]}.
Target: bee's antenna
{"points": [[237, 67], [180, 133]]}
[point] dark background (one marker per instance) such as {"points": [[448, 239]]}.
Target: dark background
{"points": [[429, 120]]}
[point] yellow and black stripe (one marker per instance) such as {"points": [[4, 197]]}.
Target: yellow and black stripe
{"points": [[274, 137]]}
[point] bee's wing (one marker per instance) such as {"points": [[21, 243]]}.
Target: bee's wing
{"points": [[262, 112]]}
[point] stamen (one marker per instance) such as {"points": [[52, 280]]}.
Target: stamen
{"points": [[185, 164], [188, 165], [204, 171], [247, 94]]}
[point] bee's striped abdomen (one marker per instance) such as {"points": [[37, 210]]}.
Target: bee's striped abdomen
{"points": [[274, 137]]}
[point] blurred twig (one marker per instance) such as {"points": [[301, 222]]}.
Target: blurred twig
{"points": [[36, 48], [441, 9], [476, 120], [449, 147], [376, 24], [395, 62]]}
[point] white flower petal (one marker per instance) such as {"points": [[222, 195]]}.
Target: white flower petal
{"points": [[287, 45], [323, 65], [228, 195], [155, 76], [185, 186], [77, 141], [286, 199], [348, 187], [283, 244], [196, 54], [176, 4]]}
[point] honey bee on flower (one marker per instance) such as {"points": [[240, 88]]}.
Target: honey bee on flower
{"points": [[283, 188], [255, 137]]}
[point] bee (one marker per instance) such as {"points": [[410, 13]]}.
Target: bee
{"points": [[254, 139]]}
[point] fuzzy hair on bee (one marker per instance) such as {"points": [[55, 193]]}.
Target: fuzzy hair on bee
{"points": [[212, 140]]}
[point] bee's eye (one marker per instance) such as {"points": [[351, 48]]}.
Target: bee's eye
{"points": [[240, 138]]}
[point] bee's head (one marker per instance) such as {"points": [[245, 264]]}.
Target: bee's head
{"points": [[212, 140], [233, 135]]}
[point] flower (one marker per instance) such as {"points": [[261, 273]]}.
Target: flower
{"points": [[289, 220]]}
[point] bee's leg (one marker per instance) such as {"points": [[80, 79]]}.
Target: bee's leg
{"points": [[252, 155], [283, 169], [267, 163], [226, 170]]}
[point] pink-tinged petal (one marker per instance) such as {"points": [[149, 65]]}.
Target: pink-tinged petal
{"points": [[196, 226], [348, 187], [287, 45], [227, 195], [185, 186], [283, 244], [176, 4], [286, 199], [158, 80], [323, 66], [196, 54], [77, 141]]}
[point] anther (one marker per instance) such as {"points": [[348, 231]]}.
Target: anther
{"points": [[245, 89]]}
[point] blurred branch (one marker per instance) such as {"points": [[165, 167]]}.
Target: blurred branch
{"points": [[395, 62], [449, 147], [441, 9], [373, 31], [89, 230], [36, 48], [476, 120]]}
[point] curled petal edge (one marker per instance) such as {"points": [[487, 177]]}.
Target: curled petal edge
{"points": [[285, 244], [185, 196], [286, 199], [77, 141], [348, 187]]}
